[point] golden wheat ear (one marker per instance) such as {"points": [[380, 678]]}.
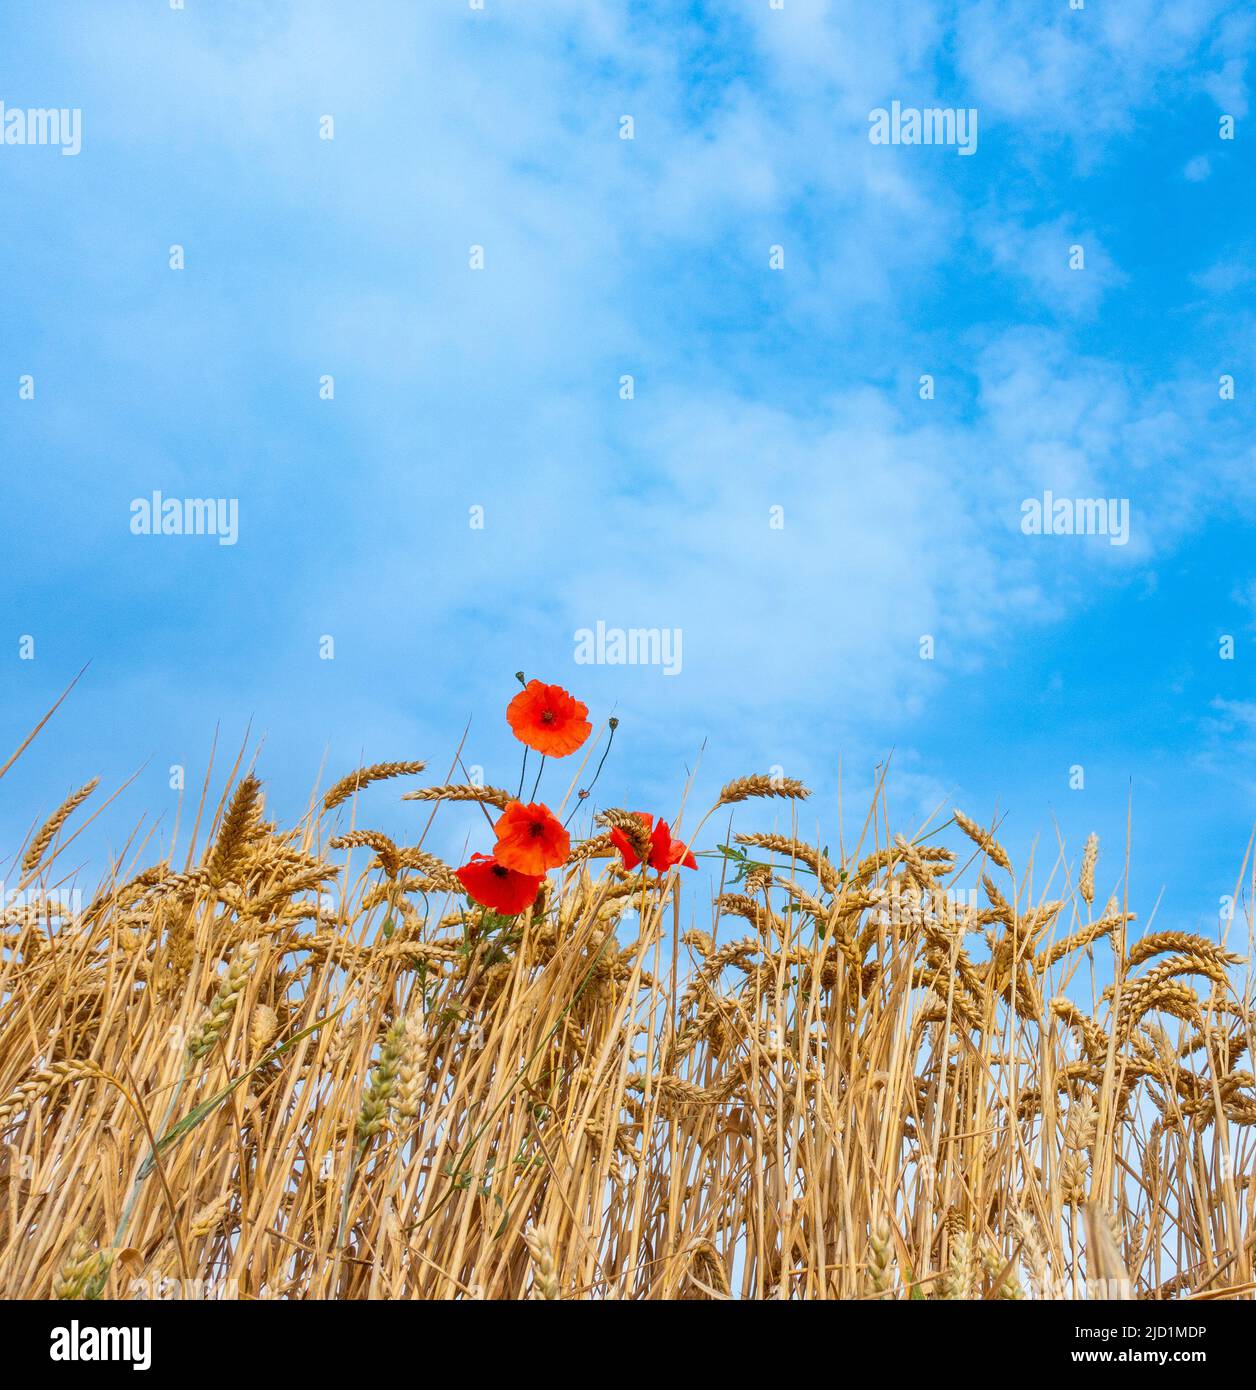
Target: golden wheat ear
{"points": [[623, 1090]]}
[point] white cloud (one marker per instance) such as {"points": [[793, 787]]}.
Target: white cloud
{"points": [[1224, 277], [1041, 256], [1228, 87], [607, 256]]}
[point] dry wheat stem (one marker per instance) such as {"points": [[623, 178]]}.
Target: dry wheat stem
{"points": [[623, 1092]]}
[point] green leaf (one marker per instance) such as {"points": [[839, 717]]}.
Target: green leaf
{"points": [[207, 1107]]}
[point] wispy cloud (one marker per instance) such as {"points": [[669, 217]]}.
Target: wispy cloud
{"points": [[753, 389]]}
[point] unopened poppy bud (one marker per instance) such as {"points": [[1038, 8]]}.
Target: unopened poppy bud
{"points": [[520, 679], [613, 722]]}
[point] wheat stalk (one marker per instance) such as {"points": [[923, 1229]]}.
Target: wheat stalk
{"points": [[377, 772], [47, 832]]}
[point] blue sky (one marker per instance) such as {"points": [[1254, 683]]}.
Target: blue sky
{"points": [[754, 388]]}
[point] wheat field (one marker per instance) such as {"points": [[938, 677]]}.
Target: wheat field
{"points": [[299, 1063]]}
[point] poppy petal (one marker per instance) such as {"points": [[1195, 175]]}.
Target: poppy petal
{"points": [[548, 719], [624, 845], [531, 839], [492, 884]]}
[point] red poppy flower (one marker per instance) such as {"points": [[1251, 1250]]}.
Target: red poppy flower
{"points": [[494, 885], [548, 719], [531, 838], [664, 851]]}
